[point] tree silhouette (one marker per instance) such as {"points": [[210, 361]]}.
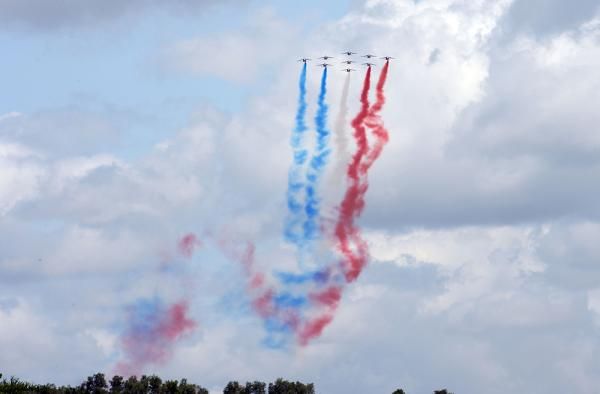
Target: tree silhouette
{"points": [[170, 387], [154, 384], [116, 385], [232, 388], [95, 384], [254, 388], [281, 386]]}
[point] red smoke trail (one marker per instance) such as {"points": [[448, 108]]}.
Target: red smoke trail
{"points": [[360, 133], [350, 242], [187, 244], [328, 297], [176, 322], [375, 122], [313, 328], [353, 201]]}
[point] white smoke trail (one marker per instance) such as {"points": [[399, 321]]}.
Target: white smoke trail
{"points": [[337, 176]]}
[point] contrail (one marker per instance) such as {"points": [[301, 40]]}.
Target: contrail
{"points": [[317, 164], [292, 230]]}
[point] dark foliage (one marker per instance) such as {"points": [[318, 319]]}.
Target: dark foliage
{"points": [[249, 388], [284, 387], [97, 384]]}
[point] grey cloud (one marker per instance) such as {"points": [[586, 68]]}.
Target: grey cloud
{"points": [[52, 15], [571, 253], [63, 132], [545, 17]]}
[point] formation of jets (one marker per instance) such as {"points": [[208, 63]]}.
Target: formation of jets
{"points": [[347, 62]]}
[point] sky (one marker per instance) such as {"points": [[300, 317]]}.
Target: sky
{"points": [[145, 145]]}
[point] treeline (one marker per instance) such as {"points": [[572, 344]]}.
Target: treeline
{"points": [[97, 384]]}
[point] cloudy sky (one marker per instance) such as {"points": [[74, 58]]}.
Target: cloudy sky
{"points": [[126, 125]]}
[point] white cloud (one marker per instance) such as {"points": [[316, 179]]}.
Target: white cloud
{"points": [[20, 176]]}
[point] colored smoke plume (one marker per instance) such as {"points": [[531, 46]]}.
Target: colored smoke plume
{"points": [[317, 164], [292, 231], [187, 244], [375, 123], [350, 242], [151, 334]]}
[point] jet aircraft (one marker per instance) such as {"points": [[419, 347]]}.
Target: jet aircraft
{"points": [[323, 65], [348, 61], [348, 70], [387, 57], [368, 56], [326, 57], [303, 60], [349, 53]]}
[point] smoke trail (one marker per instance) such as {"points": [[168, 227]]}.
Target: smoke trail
{"points": [[328, 300], [187, 244], [278, 311], [350, 243], [153, 329], [292, 230], [353, 201], [317, 164], [287, 278], [287, 313], [341, 139], [375, 122]]}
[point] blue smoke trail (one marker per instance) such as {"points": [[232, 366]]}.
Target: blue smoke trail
{"points": [[317, 164], [288, 278], [287, 300], [295, 184]]}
